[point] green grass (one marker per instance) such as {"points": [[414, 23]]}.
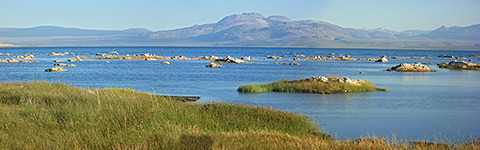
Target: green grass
{"points": [[318, 87], [44, 115], [41, 115]]}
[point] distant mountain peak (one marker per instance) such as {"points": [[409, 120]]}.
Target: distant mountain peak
{"points": [[232, 19]]}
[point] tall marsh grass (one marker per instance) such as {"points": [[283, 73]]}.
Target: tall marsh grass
{"points": [[41, 115]]}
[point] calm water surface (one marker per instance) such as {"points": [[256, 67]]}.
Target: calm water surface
{"points": [[418, 105]]}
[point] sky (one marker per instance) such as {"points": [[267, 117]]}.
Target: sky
{"points": [[158, 15]]}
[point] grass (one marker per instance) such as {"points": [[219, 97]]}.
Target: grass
{"points": [[41, 115], [318, 87]]}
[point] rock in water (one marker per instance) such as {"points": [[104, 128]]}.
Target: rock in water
{"points": [[165, 63], [214, 65], [416, 67], [55, 69], [383, 60]]}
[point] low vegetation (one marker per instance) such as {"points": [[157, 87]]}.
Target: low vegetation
{"points": [[311, 86], [41, 115]]}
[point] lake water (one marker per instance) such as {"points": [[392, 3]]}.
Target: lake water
{"points": [[418, 105]]}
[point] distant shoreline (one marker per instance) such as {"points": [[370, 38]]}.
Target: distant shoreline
{"points": [[186, 46]]}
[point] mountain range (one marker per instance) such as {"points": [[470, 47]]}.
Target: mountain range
{"points": [[250, 29]]}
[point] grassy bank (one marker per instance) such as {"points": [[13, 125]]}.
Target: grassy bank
{"points": [[41, 115], [319, 87]]}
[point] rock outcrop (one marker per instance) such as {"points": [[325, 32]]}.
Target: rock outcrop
{"points": [[165, 63], [460, 65], [416, 67]]}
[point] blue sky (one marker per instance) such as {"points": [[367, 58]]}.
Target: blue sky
{"points": [[170, 14]]}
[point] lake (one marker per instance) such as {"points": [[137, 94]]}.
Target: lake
{"points": [[418, 106]]}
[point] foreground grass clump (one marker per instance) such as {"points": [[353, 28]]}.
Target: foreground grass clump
{"points": [[332, 85], [41, 115]]}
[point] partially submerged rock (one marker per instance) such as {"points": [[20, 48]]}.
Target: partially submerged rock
{"points": [[416, 67], [165, 63], [55, 69], [214, 65]]}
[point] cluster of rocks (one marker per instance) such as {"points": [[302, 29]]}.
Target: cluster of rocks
{"points": [[446, 56], [13, 60], [460, 65], [27, 56], [229, 59], [144, 55], [208, 58], [343, 58], [455, 57], [333, 79], [291, 63], [77, 58], [214, 65], [415, 67], [7, 54], [413, 57], [60, 54]]}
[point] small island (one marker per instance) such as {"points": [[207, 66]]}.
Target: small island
{"points": [[318, 85]]}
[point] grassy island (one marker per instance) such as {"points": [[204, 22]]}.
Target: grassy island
{"points": [[41, 115], [319, 85]]}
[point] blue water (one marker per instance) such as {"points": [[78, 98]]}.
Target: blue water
{"points": [[418, 105]]}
